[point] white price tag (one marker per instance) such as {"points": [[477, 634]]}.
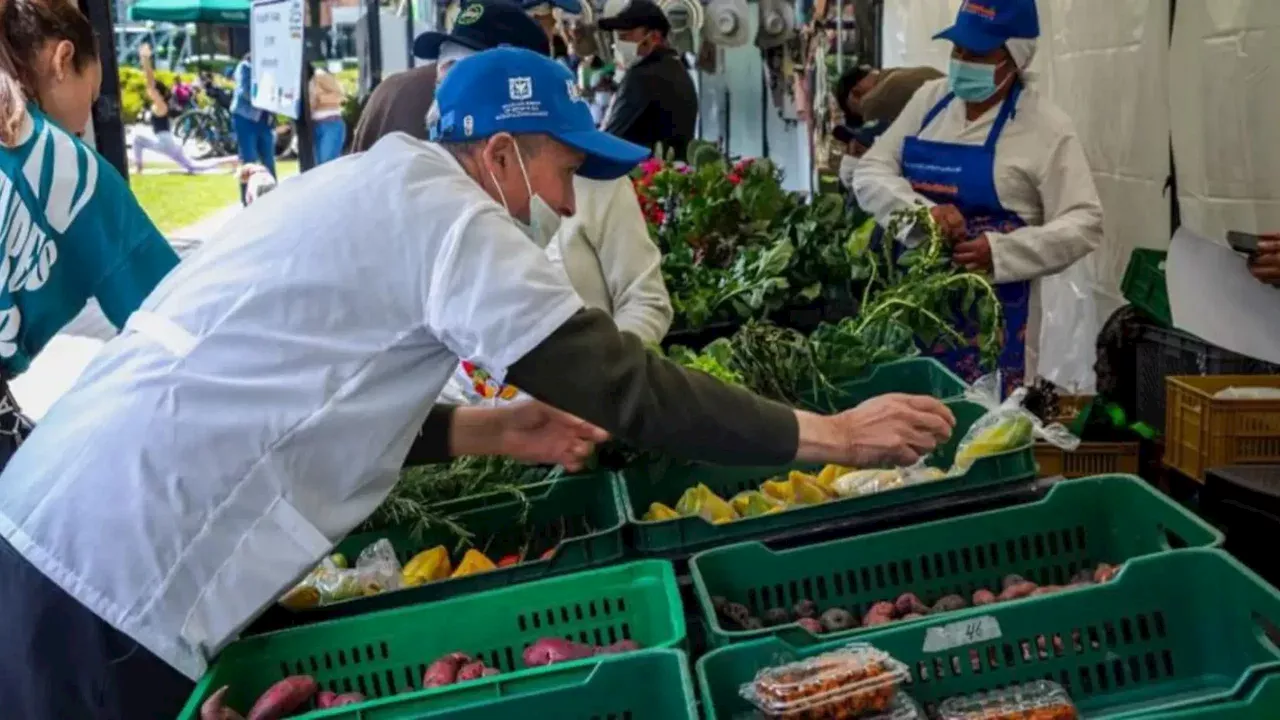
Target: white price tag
{"points": [[959, 634]]}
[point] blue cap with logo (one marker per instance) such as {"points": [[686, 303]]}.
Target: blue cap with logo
{"points": [[984, 25], [520, 92], [484, 24]]}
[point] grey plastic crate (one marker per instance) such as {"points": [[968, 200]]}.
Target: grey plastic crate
{"points": [[1164, 351]]}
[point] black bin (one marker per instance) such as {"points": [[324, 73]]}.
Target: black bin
{"points": [[1244, 502]]}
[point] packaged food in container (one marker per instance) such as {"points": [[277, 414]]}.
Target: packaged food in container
{"points": [[1038, 700], [855, 682]]}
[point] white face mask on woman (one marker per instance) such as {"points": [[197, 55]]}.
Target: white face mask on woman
{"points": [[543, 220]]}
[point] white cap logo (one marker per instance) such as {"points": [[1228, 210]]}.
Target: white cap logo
{"points": [[468, 125], [575, 94], [520, 88]]}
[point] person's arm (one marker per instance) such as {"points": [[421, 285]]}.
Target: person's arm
{"points": [[1266, 264], [631, 262], [113, 236], [1072, 220], [149, 75], [878, 182], [629, 105]]}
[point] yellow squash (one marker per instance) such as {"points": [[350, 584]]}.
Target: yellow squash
{"points": [[659, 512], [427, 566], [704, 503], [473, 562]]}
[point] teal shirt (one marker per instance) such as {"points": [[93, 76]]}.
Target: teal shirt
{"points": [[72, 230]]}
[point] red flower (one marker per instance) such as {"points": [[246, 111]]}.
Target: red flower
{"points": [[734, 178], [651, 166], [658, 216]]}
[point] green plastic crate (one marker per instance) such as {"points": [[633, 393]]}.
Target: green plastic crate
{"points": [[384, 654], [665, 481], [1144, 284], [585, 510], [1261, 702], [1170, 631], [916, 376], [1078, 524]]}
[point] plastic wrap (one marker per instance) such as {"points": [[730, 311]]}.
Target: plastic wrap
{"points": [[860, 483], [1005, 426], [1038, 700], [1069, 329], [376, 570], [1248, 393], [857, 681]]}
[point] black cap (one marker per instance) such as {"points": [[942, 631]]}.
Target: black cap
{"points": [[637, 14], [485, 24]]}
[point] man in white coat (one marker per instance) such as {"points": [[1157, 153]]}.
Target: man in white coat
{"points": [[1000, 167]]}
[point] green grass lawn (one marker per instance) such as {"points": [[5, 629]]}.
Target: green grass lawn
{"points": [[176, 201]]}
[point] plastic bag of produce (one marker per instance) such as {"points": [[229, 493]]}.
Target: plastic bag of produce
{"points": [[1006, 426], [860, 483], [377, 570]]}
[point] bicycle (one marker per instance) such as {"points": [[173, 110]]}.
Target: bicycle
{"points": [[207, 127]]}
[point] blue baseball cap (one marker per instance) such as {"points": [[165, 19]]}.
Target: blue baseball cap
{"points": [[518, 91], [984, 25], [484, 24], [573, 7]]}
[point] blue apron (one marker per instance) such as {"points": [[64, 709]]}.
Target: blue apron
{"points": [[964, 176]]}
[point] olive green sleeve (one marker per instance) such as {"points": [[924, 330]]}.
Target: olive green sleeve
{"points": [[590, 369]]}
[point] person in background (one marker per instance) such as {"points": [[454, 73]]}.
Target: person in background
{"points": [[1266, 264], [326, 97], [603, 88], [999, 166], [547, 14], [161, 138], [857, 142], [252, 418], [74, 229], [656, 104], [255, 139], [870, 95], [604, 247]]}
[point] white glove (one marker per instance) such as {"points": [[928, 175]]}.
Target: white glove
{"points": [[848, 164]]}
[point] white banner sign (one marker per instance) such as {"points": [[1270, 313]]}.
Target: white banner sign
{"points": [[276, 43]]}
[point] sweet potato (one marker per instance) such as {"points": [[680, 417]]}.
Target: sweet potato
{"points": [[883, 608], [1046, 590], [873, 619], [444, 671], [214, 707], [1104, 572], [489, 672], [549, 651], [911, 616], [325, 698], [351, 698], [908, 603], [283, 698], [1018, 591], [470, 671], [983, 597], [813, 625], [618, 648], [805, 609], [1010, 580], [949, 603]]}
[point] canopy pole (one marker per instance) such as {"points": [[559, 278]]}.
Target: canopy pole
{"points": [[373, 25], [108, 127], [304, 128]]}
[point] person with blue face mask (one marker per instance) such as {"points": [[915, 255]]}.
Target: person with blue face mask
{"points": [[999, 166]]}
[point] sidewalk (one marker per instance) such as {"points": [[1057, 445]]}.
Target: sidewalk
{"points": [[68, 353]]}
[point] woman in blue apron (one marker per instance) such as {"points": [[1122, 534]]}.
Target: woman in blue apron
{"points": [[1006, 175]]}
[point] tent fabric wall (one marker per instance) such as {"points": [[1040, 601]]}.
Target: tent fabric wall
{"points": [[1105, 63], [1223, 84]]}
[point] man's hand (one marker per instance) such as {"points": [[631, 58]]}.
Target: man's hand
{"points": [[950, 220], [890, 430], [973, 255], [1266, 264], [144, 51], [537, 433]]}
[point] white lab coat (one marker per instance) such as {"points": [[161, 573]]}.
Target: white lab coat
{"points": [[615, 266], [1041, 174], [261, 403]]}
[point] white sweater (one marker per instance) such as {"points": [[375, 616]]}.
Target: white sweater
{"points": [[1041, 174]]}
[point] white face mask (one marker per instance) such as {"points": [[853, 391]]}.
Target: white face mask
{"points": [[543, 220], [625, 52]]}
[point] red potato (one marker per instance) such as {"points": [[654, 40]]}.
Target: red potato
{"points": [[283, 698], [489, 672], [874, 618], [549, 651], [214, 707], [617, 648], [1017, 591], [444, 671], [471, 671], [983, 597], [813, 625], [1046, 590], [325, 698], [911, 616], [1104, 572], [883, 608], [351, 698], [908, 604]]}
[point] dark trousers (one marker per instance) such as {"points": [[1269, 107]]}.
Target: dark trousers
{"points": [[58, 660]]}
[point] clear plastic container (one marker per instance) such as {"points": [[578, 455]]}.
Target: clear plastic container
{"points": [[1038, 700], [852, 683]]}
